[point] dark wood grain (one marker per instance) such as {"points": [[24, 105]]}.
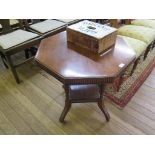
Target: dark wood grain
{"points": [[78, 68], [73, 62]]}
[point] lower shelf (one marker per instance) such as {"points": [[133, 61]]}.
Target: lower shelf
{"points": [[84, 93]]}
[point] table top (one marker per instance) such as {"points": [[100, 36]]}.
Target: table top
{"points": [[66, 61]]}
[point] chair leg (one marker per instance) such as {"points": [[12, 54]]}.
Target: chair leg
{"points": [[10, 63], [3, 57], [33, 51], [27, 53]]}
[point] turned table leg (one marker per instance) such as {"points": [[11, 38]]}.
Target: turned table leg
{"points": [[67, 104], [101, 103]]}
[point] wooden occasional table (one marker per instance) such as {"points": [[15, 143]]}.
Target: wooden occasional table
{"points": [[82, 73]]}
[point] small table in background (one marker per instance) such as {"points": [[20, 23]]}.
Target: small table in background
{"points": [[83, 73]]}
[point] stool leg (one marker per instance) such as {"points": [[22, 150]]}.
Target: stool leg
{"points": [[119, 82], [101, 103], [12, 68], [153, 45], [134, 66], [67, 104], [147, 51]]}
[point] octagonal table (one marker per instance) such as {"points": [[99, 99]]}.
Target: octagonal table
{"points": [[83, 73]]}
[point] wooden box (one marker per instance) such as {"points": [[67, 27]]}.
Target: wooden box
{"points": [[95, 37]]}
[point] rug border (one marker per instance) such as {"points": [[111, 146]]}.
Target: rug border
{"points": [[119, 103]]}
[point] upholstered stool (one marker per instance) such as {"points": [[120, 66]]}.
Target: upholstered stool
{"points": [[15, 41], [142, 33], [14, 23], [15, 38], [47, 26], [69, 21], [137, 45], [144, 22]]}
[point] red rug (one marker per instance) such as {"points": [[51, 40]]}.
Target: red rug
{"points": [[130, 86]]}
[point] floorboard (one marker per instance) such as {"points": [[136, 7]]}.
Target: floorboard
{"points": [[34, 107]]}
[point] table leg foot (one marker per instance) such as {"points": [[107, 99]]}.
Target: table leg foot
{"points": [[65, 111], [104, 110]]}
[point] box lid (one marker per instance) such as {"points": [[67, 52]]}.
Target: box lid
{"points": [[92, 29]]}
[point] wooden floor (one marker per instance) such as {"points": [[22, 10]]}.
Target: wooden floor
{"points": [[34, 107]]}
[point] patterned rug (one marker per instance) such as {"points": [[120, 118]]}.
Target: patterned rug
{"points": [[130, 85]]}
